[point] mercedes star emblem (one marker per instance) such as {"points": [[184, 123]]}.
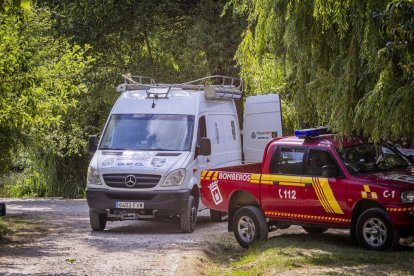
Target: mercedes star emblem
{"points": [[130, 181]]}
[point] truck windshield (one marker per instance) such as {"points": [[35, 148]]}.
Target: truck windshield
{"points": [[367, 158], [148, 132]]}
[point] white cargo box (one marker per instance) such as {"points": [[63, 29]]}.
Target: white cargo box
{"points": [[262, 122]]}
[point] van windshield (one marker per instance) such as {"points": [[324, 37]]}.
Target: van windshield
{"points": [[148, 132]]}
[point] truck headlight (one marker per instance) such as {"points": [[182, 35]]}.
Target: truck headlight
{"points": [[93, 177], [174, 178], [407, 197]]}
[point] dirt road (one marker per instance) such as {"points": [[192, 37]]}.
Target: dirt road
{"points": [[62, 243]]}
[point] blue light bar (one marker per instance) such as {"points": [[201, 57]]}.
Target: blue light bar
{"points": [[311, 132]]}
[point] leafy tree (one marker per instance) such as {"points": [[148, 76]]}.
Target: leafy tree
{"points": [[172, 41], [41, 80], [347, 64]]}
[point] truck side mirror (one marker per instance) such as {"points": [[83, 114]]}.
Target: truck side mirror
{"points": [[205, 146], [93, 143], [330, 171], [410, 158]]}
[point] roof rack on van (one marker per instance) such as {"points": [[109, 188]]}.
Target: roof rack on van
{"points": [[216, 86]]}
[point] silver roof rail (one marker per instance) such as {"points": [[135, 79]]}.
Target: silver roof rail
{"points": [[216, 86]]}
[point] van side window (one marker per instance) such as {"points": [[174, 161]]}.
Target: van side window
{"points": [[288, 160], [202, 132], [316, 160]]}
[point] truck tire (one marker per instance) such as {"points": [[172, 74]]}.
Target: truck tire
{"points": [[2, 209], [97, 220], [216, 215], [315, 229], [250, 226], [188, 218], [375, 231]]}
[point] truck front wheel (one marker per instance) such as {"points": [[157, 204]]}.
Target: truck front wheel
{"points": [[97, 220], [374, 230], [250, 226], [188, 218]]}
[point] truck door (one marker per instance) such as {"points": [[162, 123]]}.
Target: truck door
{"points": [[281, 189], [323, 196]]}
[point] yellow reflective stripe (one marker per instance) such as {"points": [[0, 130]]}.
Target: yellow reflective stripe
{"points": [[283, 180], [294, 184], [321, 196], [366, 188], [203, 174], [209, 174], [364, 194], [215, 175], [255, 178], [330, 196]]}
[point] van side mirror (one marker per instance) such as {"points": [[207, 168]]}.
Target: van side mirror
{"points": [[205, 146], [93, 143], [330, 171]]}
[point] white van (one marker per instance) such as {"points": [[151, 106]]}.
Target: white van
{"points": [[157, 140]]}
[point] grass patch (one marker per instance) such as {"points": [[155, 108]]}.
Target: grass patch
{"points": [[328, 254], [13, 228]]}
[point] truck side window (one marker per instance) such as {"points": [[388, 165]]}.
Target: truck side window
{"points": [[288, 161], [202, 132], [317, 159]]}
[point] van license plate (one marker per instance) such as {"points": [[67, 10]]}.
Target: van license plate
{"points": [[130, 205]]}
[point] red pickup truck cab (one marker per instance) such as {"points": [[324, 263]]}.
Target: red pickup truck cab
{"points": [[317, 181]]}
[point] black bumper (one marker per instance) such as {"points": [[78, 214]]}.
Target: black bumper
{"points": [[166, 202]]}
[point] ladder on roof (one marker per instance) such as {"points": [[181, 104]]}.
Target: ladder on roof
{"points": [[216, 86]]}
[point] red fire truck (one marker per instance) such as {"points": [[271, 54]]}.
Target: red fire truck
{"points": [[318, 181]]}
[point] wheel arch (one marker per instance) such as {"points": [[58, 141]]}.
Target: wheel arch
{"points": [[239, 199], [195, 192], [362, 206]]}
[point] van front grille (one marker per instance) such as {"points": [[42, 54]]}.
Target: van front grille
{"points": [[142, 181]]}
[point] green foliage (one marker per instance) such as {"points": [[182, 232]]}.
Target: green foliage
{"points": [[172, 41], [347, 64], [41, 82]]}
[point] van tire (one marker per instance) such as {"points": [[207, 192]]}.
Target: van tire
{"points": [[375, 231], [97, 220], [249, 226], [188, 218], [216, 215], [315, 229]]}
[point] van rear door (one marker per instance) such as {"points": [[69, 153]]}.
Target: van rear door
{"points": [[262, 122]]}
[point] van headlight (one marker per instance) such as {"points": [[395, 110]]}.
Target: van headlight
{"points": [[407, 197], [174, 178], [93, 177]]}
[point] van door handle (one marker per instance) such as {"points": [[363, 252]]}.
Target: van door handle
{"points": [[308, 184], [207, 160], [276, 182]]}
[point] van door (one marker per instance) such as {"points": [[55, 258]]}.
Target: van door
{"points": [[262, 122], [201, 161]]}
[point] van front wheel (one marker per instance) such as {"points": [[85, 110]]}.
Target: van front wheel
{"points": [[188, 218], [97, 220]]}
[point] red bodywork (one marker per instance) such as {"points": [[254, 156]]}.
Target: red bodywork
{"points": [[308, 199]]}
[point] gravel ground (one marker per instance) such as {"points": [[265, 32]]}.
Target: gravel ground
{"points": [[67, 246]]}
